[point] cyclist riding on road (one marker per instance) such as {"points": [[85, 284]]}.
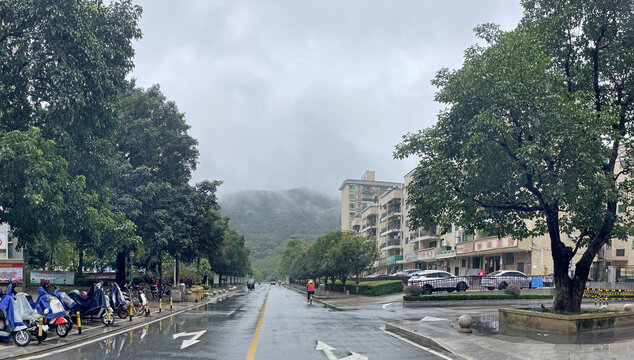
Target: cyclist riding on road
{"points": [[310, 289]]}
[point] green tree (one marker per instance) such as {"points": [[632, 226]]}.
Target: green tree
{"points": [[532, 137], [156, 157], [353, 254], [64, 66]]}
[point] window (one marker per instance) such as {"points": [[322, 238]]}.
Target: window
{"points": [[622, 208], [510, 259], [465, 237], [464, 263], [620, 252], [477, 262], [432, 244], [351, 187], [351, 215], [351, 205], [623, 162], [351, 196], [349, 223]]}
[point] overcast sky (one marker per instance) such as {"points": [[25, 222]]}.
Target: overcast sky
{"points": [[286, 94]]}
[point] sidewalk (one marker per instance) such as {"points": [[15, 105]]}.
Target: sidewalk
{"points": [[94, 329], [490, 343], [341, 301]]}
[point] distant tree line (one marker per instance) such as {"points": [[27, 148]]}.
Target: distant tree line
{"points": [[335, 256], [91, 164]]}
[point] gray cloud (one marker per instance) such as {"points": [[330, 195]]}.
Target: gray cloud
{"points": [[284, 94]]}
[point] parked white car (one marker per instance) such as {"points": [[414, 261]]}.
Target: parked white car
{"points": [[438, 280], [503, 278]]}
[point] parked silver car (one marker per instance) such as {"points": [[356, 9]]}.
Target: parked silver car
{"points": [[438, 280], [503, 278], [408, 272]]}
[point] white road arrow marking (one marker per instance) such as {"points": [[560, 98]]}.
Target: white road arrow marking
{"points": [[327, 349], [354, 356], [192, 341]]}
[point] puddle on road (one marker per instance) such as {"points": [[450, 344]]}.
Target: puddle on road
{"points": [[488, 325]]}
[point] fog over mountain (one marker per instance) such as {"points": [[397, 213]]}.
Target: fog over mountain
{"points": [[267, 219]]}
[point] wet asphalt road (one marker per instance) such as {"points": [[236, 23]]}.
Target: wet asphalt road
{"points": [[290, 330]]}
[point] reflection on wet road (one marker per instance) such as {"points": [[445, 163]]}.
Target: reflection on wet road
{"points": [[290, 329]]}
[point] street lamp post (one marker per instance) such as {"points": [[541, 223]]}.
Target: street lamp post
{"points": [[131, 257]]}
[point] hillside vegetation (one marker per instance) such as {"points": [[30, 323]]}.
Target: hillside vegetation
{"points": [[267, 219]]}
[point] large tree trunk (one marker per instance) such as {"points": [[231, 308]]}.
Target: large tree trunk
{"points": [[121, 269]]}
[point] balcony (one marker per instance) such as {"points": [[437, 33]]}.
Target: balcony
{"points": [[423, 235], [391, 212], [391, 195], [390, 244], [390, 230], [368, 225]]}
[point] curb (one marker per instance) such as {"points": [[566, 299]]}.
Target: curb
{"points": [[449, 303], [35, 350], [424, 340]]}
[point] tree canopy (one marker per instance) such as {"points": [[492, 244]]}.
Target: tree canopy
{"points": [[536, 135]]}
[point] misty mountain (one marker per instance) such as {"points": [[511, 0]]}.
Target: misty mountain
{"points": [[267, 219]]}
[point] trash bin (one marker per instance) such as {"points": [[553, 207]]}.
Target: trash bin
{"points": [[322, 290]]}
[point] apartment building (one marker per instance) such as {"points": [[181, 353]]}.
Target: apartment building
{"points": [[356, 195], [384, 219]]}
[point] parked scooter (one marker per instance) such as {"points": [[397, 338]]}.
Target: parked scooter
{"points": [[139, 301], [94, 305], [11, 323], [52, 311], [118, 301], [158, 290]]}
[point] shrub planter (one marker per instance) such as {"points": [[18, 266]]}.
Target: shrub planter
{"points": [[567, 324]]}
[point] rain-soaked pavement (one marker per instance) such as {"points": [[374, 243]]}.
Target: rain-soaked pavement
{"points": [[290, 329]]}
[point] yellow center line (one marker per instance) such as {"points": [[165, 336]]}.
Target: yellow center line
{"points": [[254, 342]]}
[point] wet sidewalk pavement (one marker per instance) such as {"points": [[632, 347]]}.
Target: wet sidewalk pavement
{"points": [[341, 301], [95, 329], [489, 341]]}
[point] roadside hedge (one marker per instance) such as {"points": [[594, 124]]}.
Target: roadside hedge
{"points": [[441, 297], [369, 288]]}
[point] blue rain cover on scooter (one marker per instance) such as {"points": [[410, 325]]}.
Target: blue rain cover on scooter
{"points": [[47, 301], [95, 299], [7, 304], [116, 296]]}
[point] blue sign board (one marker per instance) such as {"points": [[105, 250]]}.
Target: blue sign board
{"points": [[537, 282]]}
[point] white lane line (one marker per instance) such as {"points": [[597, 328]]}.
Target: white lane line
{"points": [[417, 345]]}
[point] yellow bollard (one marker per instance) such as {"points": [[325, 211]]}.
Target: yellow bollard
{"points": [[130, 311], [170, 302], [160, 304], [39, 331], [147, 309], [108, 311], [78, 323], [196, 296]]}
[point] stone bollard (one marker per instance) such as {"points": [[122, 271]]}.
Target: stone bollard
{"points": [[627, 307], [465, 324]]}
